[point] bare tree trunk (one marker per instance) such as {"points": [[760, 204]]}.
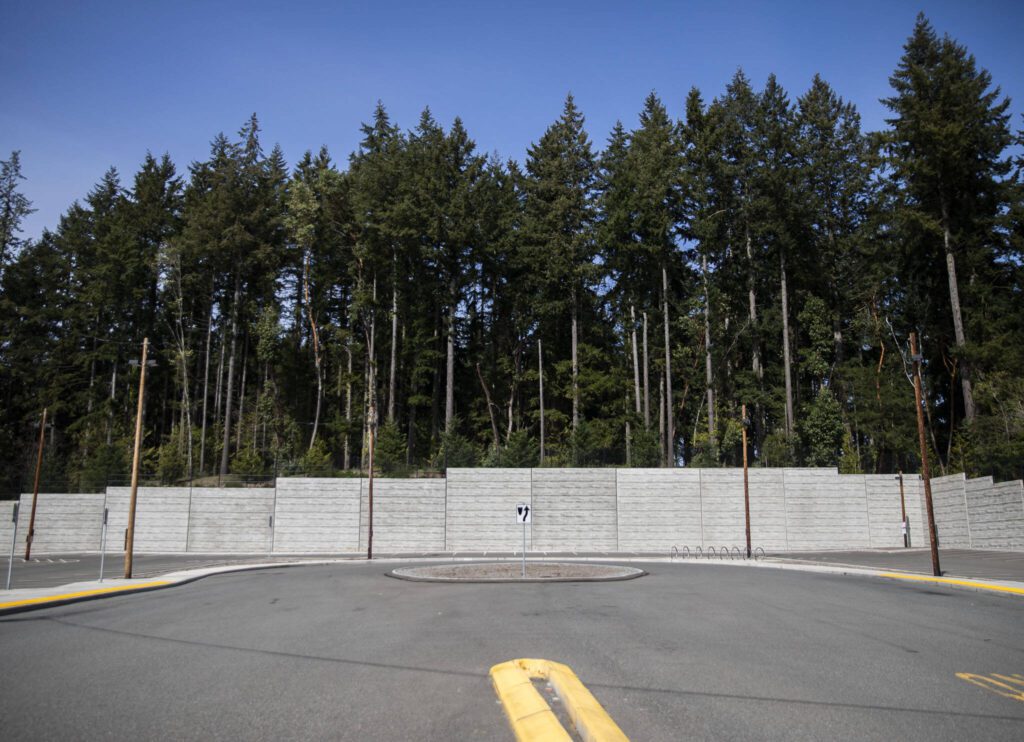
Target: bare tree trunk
{"points": [[629, 452], [317, 351], [958, 322], [348, 403], [670, 427], [217, 395], [755, 362], [241, 394], [490, 408], [225, 451], [575, 368], [206, 390], [394, 352], [435, 389], [786, 361], [110, 414], [636, 360], [647, 381], [449, 399], [540, 380], [709, 379], [661, 419]]}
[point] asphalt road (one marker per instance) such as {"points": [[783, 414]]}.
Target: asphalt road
{"points": [[691, 651], [60, 569]]}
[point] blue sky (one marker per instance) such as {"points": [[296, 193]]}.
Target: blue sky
{"points": [[87, 85]]}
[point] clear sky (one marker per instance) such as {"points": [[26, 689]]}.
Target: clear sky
{"points": [[87, 85]]}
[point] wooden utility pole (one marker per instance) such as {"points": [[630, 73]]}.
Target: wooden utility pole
{"points": [[369, 439], [746, 479], [130, 539], [35, 488], [925, 472]]}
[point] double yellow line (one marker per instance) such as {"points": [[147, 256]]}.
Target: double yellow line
{"points": [[533, 720]]}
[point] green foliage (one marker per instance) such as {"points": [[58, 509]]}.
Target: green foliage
{"points": [[849, 463], [248, 463], [821, 430], [521, 451], [417, 241], [779, 450], [455, 450], [389, 449], [316, 461], [105, 465], [172, 462], [645, 449]]}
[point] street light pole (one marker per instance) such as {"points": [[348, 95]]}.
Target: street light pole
{"points": [[130, 540], [35, 488], [925, 472], [746, 479]]}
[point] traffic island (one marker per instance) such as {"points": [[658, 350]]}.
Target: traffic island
{"points": [[512, 571]]}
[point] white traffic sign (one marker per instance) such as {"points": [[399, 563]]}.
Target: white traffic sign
{"points": [[524, 513]]}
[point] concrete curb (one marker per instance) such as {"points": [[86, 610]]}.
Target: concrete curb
{"points": [[80, 592], [625, 573]]}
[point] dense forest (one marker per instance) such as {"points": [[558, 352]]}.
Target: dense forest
{"points": [[587, 307]]}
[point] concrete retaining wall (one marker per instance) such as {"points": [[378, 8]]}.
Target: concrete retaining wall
{"points": [[481, 504], [949, 501], [574, 510], [316, 516]]}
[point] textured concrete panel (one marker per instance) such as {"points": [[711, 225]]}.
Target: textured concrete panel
{"points": [[64, 523], [996, 513], [161, 519], [724, 520], [408, 515], [950, 505], [230, 521], [574, 510], [884, 511], [6, 526], [481, 509], [658, 509], [826, 510], [317, 516], [768, 526]]}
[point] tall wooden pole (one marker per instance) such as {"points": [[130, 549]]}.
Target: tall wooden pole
{"points": [[369, 532], [130, 540], [746, 479], [925, 472], [35, 488]]}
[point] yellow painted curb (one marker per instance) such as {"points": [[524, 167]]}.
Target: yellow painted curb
{"points": [[533, 720], [951, 581], [83, 594]]}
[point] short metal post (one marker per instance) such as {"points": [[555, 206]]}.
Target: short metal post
{"points": [[524, 549], [270, 525], [14, 541], [903, 510], [103, 543]]}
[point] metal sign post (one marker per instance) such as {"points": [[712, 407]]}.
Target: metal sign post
{"points": [[14, 540], [524, 515], [103, 542]]}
